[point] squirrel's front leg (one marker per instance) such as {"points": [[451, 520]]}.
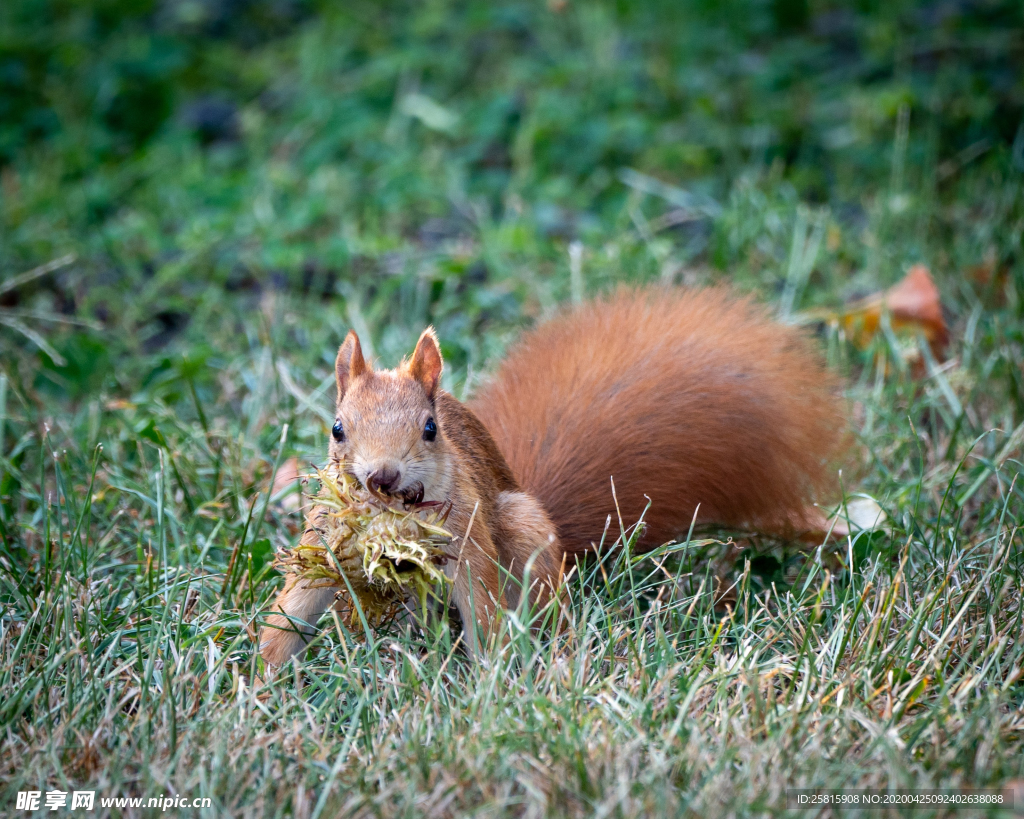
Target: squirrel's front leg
{"points": [[529, 549], [292, 625], [476, 589]]}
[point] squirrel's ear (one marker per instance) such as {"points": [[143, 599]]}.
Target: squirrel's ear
{"points": [[426, 364], [350, 363]]}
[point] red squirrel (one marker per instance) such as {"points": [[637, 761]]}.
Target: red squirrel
{"points": [[692, 401]]}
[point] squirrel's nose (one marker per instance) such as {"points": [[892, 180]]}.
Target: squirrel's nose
{"points": [[382, 480]]}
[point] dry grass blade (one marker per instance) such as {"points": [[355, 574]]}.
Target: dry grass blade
{"points": [[36, 272]]}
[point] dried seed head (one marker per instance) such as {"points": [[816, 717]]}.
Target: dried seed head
{"points": [[384, 548]]}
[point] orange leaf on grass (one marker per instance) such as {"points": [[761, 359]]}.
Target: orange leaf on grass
{"points": [[913, 306]]}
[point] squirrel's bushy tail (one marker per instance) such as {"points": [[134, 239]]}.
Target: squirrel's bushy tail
{"points": [[684, 397]]}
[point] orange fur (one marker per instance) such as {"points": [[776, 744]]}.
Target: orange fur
{"points": [[683, 397]]}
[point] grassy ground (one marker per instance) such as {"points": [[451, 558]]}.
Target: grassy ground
{"points": [[238, 186]]}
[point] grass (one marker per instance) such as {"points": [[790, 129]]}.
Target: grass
{"points": [[475, 167]]}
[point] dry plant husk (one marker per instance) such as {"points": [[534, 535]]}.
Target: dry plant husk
{"points": [[385, 549]]}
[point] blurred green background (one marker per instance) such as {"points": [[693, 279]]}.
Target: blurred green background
{"points": [[432, 161]]}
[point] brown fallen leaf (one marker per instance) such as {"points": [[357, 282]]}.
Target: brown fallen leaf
{"points": [[913, 307], [913, 304], [989, 277]]}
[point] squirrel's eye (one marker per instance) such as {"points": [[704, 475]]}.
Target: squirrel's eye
{"points": [[338, 431], [430, 430]]}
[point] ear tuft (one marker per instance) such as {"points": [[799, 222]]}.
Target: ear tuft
{"points": [[426, 363], [350, 363]]}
